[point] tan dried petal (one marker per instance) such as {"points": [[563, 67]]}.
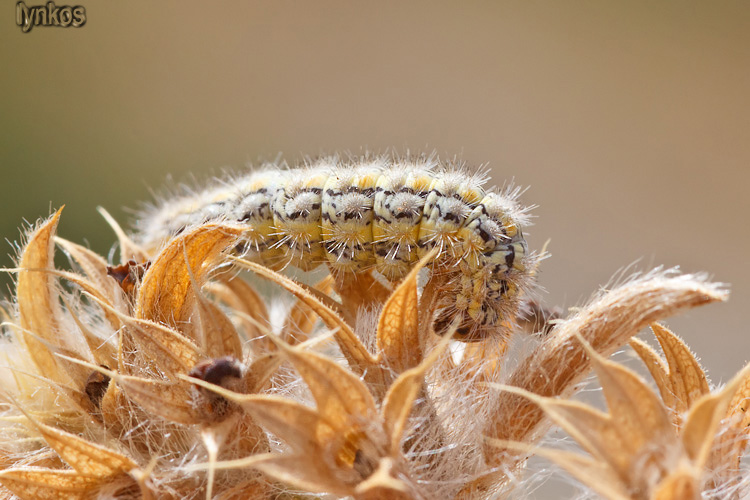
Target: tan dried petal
{"points": [[48, 484], [103, 351], [355, 352], [705, 415], [218, 335], [329, 438], [114, 409], [339, 394], [308, 433], [733, 442], [592, 472], [740, 404], [636, 411], [260, 371], [300, 426], [398, 405], [688, 377], [592, 429], [166, 293], [76, 374], [248, 299], [168, 400], [399, 400], [247, 438], [169, 351], [398, 341], [87, 458], [659, 372], [92, 290], [299, 471], [93, 266], [36, 294]]}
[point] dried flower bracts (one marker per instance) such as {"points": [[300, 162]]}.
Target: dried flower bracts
{"points": [[178, 380], [648, 446]]}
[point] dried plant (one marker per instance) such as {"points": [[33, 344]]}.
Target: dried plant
{"points": [[166, 376]]}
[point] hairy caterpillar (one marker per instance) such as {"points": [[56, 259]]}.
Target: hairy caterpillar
{"points": [[382, 214]]}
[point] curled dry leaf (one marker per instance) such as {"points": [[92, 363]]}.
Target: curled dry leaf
{"points": [[36, 294], [399, 336], [128, 276], [166, 292]]}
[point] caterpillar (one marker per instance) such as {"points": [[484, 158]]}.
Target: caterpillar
{"points": [[382, 214]]}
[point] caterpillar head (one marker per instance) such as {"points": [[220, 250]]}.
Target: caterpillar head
{"points": [[483, 301]]}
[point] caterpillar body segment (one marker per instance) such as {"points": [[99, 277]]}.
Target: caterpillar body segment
{"points": [[348, 215], [451, 198], [383, 215], [297, 211], [254, 206], [399, 202]]}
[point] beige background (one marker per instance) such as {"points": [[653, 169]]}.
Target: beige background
{"points": [[630, 121]]}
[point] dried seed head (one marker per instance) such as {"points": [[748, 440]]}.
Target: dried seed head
{"points": [[209, 394]]}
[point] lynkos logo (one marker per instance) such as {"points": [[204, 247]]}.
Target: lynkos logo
{"points": [[49, 15]]}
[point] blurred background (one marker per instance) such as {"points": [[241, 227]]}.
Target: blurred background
{"points": [[629, 121]]}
